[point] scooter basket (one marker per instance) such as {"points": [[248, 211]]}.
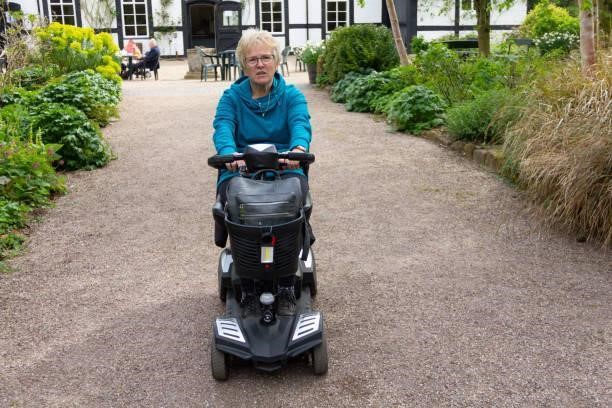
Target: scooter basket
{"points": [[246, 243]]}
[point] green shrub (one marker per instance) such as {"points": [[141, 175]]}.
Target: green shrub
{"points": [[440, 70], [560, 43], [484, 74], [339, 89], [418, 44], [416, 108], [361, 92], [548, 18], [33, 76], [26, 172], [399, 78], [75, 49], [15, 122], [483, 119], [93, 94], [13, 95], [81, 140], [358, 47]]}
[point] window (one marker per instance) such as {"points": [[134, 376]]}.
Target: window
{"points": [[62, 11], [230, 18], [272, 16], [135, 18], [337, 14]]}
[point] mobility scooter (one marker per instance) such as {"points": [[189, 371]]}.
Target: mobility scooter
{"points": [[267, 276]]}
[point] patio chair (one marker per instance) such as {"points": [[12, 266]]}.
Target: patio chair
{"points": [[228, 62], [284, 63], [297, 51], [208, 61]]}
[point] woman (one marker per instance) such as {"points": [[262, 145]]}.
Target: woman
{"points": [[261, 108]]}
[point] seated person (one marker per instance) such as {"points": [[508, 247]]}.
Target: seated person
{"points": [[150, 60], [130, 49]]}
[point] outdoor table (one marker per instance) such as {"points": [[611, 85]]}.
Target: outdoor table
{"points": [[227, 57]]}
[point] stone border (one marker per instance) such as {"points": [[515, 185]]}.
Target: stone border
{"points": [[491, 157]]}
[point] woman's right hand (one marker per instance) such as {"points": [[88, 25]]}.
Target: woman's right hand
{"points": [[235, 165]]}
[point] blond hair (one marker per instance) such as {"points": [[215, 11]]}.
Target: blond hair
{"points": [[254, 36]]}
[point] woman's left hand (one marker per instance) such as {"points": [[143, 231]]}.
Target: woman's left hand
{"points": [[292, 164]]}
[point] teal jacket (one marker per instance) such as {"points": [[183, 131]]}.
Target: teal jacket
{"points": [[280, 118]]}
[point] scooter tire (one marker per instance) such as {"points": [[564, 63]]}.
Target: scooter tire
{"points": [[319, 357], [219, 364]]}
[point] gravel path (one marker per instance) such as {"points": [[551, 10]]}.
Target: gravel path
{"points": [[437, 289]]}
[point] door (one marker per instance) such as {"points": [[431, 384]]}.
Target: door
{"points": [[228, 25], [202, 18]]}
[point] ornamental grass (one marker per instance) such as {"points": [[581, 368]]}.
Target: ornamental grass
{"points": [[561, 148]]}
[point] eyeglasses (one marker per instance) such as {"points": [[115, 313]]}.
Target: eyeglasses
{"points": [[265, 60]]}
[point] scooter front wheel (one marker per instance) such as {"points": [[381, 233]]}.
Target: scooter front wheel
{"points": [[319, 357], [219, 364]]}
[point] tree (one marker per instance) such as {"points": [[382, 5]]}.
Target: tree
{"points": [[397, 34], [587, 35], [482, 8]]}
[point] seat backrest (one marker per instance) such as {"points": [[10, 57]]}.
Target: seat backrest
{"points": [[285, 53]]}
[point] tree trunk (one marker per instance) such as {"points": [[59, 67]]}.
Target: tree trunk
{"points": [[397, 34], [587, 37], [483, 25]]}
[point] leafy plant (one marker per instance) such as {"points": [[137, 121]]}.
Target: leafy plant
{"points": [[418, 44], [358, 47], [75, 49], [312, 52], [483, 119], [416, 108], [14, 95], [548, 18], [361, 92], [26, 172], [399, 78], [82, 144], [339, 89], [93, 94], [440, 69], [558, 42], [33, 76]]}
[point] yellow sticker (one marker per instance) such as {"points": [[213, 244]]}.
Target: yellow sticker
{"points": [[267, 254]]}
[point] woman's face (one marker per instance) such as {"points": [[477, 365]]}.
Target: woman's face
{"points": [[260, 64]]}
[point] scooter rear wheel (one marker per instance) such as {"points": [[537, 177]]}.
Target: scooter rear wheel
{"points": [[319, 357], [219, 364]]}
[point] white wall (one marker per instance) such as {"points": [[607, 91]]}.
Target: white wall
{"points": [[248, 14], [297, 37], [314, 11], [370, 13], [297, 12], [428, 14]]}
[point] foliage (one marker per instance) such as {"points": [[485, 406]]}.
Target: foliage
{"points": [[93, 94], [483, 119], [81, 140], [100, 14], [27, 174], [548, 18], [357, 47], [75, 49], [339, 89], [418, 44], [561, 148], [441, 71], [15, 122], [312, 52], [362, 90], [33, 77], [559, 42], [483, 74], [399, 78], [14, 95], [416, 108]]}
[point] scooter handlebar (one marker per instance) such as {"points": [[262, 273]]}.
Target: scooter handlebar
{"points": [[219, 161]]}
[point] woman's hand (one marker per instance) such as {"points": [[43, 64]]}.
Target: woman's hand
{"points": [[293, 164], [235, 165]]}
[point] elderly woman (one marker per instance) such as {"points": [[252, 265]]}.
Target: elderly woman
{"points": [[261, 108]]}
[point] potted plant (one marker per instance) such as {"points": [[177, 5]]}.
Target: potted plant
{"points": [[310, 56]]}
